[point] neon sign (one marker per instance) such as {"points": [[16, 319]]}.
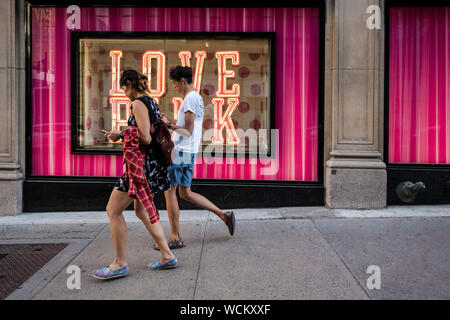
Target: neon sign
{"points": [[160, 58], [157, 90], [117, 97], [224, 74], [185, 58], [220, 122]]}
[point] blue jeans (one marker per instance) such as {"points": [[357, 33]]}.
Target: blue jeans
{"points": [[181, 170]]}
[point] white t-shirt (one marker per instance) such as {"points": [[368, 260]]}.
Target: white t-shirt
{"points": [[192, 102]]}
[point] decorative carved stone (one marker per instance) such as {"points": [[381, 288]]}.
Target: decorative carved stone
{"points": [[355, 173], [12, 108]]}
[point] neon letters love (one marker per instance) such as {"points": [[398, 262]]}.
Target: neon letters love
{"points": [[157, 90]]}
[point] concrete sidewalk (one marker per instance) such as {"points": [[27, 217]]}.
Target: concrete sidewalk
{"points": [[285, 253]]}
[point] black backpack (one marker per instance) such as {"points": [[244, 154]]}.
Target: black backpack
{"points": [[160, 132]]}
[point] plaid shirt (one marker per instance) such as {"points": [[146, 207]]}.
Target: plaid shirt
{"points": [[134, 156]]}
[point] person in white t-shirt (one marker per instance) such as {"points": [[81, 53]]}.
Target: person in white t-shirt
{"points": [[187, 138]]}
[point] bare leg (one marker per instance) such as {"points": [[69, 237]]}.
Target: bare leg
{"points": [[173, 211], [117, 203], [155, 230], [200, 201]]}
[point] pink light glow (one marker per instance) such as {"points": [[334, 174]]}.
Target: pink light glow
{"points": [[200, 56], [296, 78], [419, 85], [222, 121], [115, 91], [176, 101], [160, 57], [224, 74], [185, 58], [116, 120]]}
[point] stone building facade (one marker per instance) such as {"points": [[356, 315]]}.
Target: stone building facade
{"points": [[354, 169]]}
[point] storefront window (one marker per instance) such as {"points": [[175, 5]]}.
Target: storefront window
{"points": [[231, 72], [419, 85], [278, 91]]}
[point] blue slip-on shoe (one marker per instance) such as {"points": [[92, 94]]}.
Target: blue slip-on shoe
{"points": [[167, 265], [107, 273]]}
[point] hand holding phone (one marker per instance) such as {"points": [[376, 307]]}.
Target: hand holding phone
{"points": [[113, 135]]}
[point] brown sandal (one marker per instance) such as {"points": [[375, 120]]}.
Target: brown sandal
{"points": [[173, 244], [176, 244], [230, 221]]}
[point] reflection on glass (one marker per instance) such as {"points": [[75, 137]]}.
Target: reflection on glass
{"points": [[419, 86], [232, 75]]}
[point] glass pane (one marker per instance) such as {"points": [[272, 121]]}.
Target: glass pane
{"points": [[296, 78], [419, 85], [239, 109]]}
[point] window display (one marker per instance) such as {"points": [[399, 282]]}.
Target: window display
{"points": [[248, 84], [230, 71], [419, 85]]}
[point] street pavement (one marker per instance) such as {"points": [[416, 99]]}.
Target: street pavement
{"points": [[302, 253]]}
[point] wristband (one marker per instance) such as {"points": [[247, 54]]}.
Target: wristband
{"points": [[169, 125], [121, 135]]}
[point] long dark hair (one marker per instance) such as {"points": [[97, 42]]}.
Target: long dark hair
{"points": [[134, 79]]}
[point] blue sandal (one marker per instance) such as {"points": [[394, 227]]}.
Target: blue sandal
{"points": [[107, 273], [167, 265]]}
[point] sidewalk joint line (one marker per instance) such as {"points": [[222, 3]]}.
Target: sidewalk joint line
{"points": [[201, 255], [342, 260]]}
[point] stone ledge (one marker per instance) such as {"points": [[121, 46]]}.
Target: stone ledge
{"points": [[10, 197], [356, 188], [355, 154], [10, 175], [356, 164]]}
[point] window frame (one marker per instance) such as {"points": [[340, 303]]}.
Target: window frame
{"points": [[76, 125]]}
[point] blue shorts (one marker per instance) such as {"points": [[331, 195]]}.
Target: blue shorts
{"points": [[180, 172]]}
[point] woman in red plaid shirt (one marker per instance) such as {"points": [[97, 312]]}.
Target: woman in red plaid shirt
{"points": [[145, 175]]}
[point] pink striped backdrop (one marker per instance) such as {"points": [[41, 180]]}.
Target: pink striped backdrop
{"points": [[419, 85], [297, 67]]}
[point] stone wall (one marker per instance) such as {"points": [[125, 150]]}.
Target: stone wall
{"points": [[355, 175], [12, 106]]}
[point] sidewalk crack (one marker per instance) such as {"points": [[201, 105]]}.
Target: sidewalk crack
{"points": [[201, 255], [342, 260]]}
